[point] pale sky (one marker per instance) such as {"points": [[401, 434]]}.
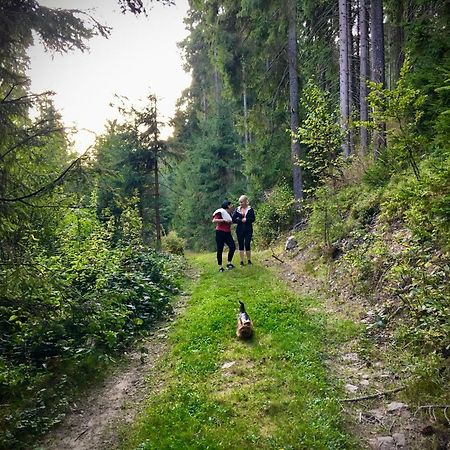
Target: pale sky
{"points": [[140, 57]]}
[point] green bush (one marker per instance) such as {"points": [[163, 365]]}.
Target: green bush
{"points": [[174, 244], [321, 134], [391, 240], [334, 215], [70, 312], [274, 215], [424, 204]]}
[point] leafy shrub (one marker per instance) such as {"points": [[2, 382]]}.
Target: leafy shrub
{"points": [[422, 205], [69, 312], [334, 215], [172, 243], [274, 215], [393, 242], [401, 109], [321, 134], [421, 280]]}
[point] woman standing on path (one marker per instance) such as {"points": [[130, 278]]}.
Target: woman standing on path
{"points": [[222, 219], [244, 216]]}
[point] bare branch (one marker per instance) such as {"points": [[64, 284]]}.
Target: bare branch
{"points": [[276, 257], [29, 97], [47, 186], [367, 397]]}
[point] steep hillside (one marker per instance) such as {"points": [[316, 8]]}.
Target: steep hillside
{"points": [[380, 247]]}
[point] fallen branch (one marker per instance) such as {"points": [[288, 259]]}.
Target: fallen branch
{"points": [[367, 397], [81, 434], [431, 409], [275, 256], [433, 406]]}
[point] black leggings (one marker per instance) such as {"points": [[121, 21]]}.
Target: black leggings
{"points": [[244, 239], [223, 238]]}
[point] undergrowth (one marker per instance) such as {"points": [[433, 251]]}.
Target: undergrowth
{"points": [[67, 314], [385, 240]]}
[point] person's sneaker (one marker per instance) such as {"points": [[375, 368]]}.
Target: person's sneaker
{"points": [[230, 266], [221, 269], [249, 263], [242, 263]]}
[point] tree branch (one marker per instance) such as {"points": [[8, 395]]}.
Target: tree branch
{"points": [[29, 138], [275, 256], [26, 96], [9, 92], [46, 187], [367, 397]]}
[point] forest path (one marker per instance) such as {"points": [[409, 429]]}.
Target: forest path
{"points": [[376, 410], [200, 387], [93, 421], [270, 392]]}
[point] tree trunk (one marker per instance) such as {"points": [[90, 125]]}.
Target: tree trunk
{"points": [[293, 106], [244, 99], [396, 44], [344, 74], [378, 74], [350, 75], [157, 209], [156, 175], [363, 73], [216, 80]]}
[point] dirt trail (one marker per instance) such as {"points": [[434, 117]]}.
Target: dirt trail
{"points": [[94, 421], [383, 422]]}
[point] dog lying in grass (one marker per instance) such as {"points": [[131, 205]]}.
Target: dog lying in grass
{"points": [[244, 323]]}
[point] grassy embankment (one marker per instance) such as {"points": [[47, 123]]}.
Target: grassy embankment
{"points": [[219, 392]]}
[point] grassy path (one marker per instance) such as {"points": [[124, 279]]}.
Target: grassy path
{"points": [[221, 393]]}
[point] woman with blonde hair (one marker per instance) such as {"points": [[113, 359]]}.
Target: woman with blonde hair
{"points": [[244, 216]]}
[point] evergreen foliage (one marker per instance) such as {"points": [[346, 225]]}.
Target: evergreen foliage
{"points": [[209, 174], [74, 290]]}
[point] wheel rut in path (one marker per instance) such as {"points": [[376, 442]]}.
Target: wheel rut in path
{"points": [[94, 421]]}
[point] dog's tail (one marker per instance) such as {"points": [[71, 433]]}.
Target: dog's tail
{"points": [[243, 313]]}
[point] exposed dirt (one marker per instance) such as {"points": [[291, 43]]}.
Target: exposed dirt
{"points": [[384, 422], [94, 421]]}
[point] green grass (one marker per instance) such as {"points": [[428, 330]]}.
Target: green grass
{"points": [[276, 395]]}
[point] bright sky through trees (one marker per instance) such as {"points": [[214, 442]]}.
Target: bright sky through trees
{"points": [[140, 57]]}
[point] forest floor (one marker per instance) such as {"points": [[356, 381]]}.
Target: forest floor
{"points": [[196, 386]]}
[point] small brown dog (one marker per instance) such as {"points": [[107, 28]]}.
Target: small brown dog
{"points": [[244, 324]]}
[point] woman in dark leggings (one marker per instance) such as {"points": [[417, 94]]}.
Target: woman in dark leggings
{"points": [[244, 216], [222, 219]]}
